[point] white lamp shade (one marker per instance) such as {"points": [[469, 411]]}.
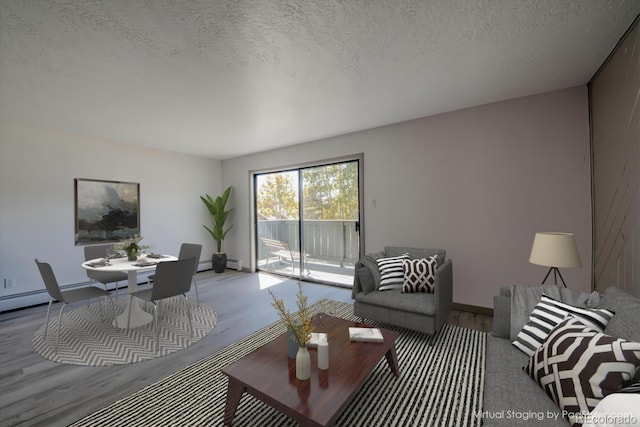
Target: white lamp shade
{"points": [[555, 250]]}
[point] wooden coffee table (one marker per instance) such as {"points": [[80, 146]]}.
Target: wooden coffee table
{"points": [[269, 375]]}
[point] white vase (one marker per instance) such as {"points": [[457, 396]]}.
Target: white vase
{"points": [[303, 363]]}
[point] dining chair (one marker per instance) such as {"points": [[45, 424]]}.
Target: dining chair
{"points": [[66, 297], [172, 278], [104, 277], [188, 250]]}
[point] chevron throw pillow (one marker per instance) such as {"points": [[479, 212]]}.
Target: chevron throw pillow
{"points": [[391, 272], [419, 275], [547, 314], [577, 366]]}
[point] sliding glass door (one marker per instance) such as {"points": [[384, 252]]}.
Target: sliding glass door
{"points": [[308, 221]]}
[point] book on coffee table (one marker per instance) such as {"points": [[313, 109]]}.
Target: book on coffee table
{"points": [[365, 334]]}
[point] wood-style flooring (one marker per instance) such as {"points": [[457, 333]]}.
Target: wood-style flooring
{"points": [[37, 392]]}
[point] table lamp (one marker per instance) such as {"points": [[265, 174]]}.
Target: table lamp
{"points": [[555, 250]]}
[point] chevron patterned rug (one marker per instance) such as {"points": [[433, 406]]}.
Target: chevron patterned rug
{"points": [[439, 385], [88, 339]]}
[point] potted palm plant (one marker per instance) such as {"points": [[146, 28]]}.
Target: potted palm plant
{"points": [[219, 215]]}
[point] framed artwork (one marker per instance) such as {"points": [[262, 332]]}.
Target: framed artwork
{"points": [[106, 211]]}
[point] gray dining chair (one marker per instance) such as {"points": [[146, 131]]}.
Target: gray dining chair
{"points": [[187, 250], [66, 297], [172, 278], [104, 277]]}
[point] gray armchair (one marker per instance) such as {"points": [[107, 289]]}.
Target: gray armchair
{"points": [[425, 312]]}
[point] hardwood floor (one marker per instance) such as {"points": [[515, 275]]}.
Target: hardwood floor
{"points": [[38, 392], [480, 322]]}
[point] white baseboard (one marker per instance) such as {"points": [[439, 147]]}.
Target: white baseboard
{"points": [[12, 302], [234, 264], [29, 299]]}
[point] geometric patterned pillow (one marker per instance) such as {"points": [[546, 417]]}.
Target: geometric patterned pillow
{"points": [[547, 314], [419, 275], [391, 272], [577, 366]]}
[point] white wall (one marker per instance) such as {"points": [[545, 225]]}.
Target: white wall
{"points": [[478, 182], [37, 171]]}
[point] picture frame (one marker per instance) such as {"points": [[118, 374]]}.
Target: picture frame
{"points": [[105, 211]]}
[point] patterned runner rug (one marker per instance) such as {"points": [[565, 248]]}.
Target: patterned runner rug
{"points": [[87, 337], [440, 384]]}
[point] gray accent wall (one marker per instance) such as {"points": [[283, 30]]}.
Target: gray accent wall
{"points": [[477, 182], [615, 116]]}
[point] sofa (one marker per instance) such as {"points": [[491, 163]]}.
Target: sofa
{"points": [[420, 311], [511, 396]]}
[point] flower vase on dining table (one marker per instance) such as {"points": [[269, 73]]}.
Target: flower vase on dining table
{"points": [[132, 255], [131, 247]]}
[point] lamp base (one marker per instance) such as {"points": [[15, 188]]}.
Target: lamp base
{"points": [[556, 273]]}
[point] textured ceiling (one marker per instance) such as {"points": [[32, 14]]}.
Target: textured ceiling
{"points": [[228, 77]]}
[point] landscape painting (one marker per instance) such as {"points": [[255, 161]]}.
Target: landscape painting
{"points": [[106, 211]]}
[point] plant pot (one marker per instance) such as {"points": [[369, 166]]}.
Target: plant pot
{"points": [[219, 262]]}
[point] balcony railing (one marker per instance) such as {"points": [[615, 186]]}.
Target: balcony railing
{"points": [[331, 241]]}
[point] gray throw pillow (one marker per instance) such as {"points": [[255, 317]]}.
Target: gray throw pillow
{"points": [[370, 262], [366, 279], [626, 323], [577, 298]]}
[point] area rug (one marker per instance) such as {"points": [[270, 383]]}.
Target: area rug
{"points": [[439, 384], [87, 337]]}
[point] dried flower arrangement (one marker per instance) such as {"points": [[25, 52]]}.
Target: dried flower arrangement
{"points": [[300, 322]]}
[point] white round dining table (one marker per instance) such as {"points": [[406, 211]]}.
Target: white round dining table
{"points": [[139, 317]]}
